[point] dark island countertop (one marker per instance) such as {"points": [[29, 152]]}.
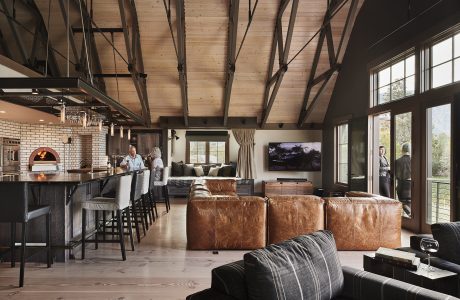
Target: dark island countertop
{"points": [[61, 177]]}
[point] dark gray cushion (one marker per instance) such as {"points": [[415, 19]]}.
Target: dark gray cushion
{"points": [[188, 170], [209, 294], [448, 236], [229, 279], [445, 265], [305, 267], [177, 169], [225, 171], [362, 285], [206, 169]]}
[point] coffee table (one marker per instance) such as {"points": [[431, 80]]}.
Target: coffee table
{"points": [[437, 280]]}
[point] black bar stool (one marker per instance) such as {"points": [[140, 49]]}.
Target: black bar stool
{"points": [[163, 183], [119, 204], [136, 199], [14, 208], [146, 206]]}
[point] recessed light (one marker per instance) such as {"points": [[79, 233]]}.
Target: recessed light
{"points": [[34, 91], [41, 120], [2, 112], [50, 123]]}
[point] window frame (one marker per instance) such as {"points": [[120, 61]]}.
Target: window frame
{"points": [[207, 141], [337, 153], [374, 72]]}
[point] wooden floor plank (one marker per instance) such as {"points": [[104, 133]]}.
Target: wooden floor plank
{"points": [[160, 268]]}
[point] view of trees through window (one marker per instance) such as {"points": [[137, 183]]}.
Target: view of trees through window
{"points": [[445, 61], [342, 153], [202, 152]]}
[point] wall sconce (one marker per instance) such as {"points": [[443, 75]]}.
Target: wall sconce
{"points": [[112, 130], [121, 132]]}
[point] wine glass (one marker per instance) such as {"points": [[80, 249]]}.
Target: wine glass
{"points": [[429, 246]]}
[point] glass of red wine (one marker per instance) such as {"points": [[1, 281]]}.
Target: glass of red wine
{"points": [[429, 246]]}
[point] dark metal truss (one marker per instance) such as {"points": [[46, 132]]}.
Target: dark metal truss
{"points": [[135, 60], [335, 58], [283, 53]]}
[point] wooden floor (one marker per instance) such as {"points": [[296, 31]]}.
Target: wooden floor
{"points": [[160, 268]]}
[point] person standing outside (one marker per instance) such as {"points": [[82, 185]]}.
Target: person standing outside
{"points": [[133, 161], [384, 173], [403, 177]]}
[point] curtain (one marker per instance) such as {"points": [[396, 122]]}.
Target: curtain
{"points": [[246, 166]]}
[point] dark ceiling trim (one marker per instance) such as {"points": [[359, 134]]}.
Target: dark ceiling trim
{"points": [[182, 57], [65, 84], [269, 99], [234, 8], [16, 35], [134, 52]]}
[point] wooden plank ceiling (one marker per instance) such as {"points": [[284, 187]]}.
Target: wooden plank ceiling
{"points": [[206, 42]]}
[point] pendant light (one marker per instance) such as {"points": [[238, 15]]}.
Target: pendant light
{"points": [[121, 132], [63, 113], [112, 129], [129, 134], [85, 120], [100, 125]]}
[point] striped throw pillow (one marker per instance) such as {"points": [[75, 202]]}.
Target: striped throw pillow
{"points": [[305, 267]]}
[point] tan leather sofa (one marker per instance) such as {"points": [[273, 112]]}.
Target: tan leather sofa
{"points": [[290, 216], [364, 223], [219, 219]]}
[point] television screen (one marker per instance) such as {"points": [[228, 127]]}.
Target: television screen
{"points": [[294, 156]]}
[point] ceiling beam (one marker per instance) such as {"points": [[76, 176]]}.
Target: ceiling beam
{"points": [[71, 36], [134, 52], [182, 56], [98, 30], [234, 8], [4, 45], [42, 31], [91, 44], [283, 54], [335, 67], [16, 35]]}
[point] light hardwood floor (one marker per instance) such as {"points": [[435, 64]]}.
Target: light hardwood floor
{"points": [[160, 268]]}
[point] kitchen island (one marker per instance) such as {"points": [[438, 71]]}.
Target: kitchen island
{"points": [[64, 192]]}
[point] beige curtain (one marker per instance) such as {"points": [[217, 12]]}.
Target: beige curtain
{"points": [[246, 167]]}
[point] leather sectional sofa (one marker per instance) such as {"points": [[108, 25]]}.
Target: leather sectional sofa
{"points": [[217, 218]]}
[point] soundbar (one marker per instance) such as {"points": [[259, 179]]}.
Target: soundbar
{"points": [[292, 179]]}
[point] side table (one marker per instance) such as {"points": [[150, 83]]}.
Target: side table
{"points": [[437, 280]]}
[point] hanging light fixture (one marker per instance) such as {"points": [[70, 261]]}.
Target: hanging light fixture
{"points": [[129, 134], [63, 113], [121, 132], [34, 91], [112, 129], [100, 125], [85, 120]]}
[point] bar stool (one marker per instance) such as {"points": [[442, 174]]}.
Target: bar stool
{"points": [[152, 202], [164, 187], [136, 199], [14, 209], [148, 216], [119, 204]]}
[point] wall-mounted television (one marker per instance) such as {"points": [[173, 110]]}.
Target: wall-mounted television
{"points": [[294, 156]]}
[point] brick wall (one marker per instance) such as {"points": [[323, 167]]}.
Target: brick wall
{"points": [[35, 136]]}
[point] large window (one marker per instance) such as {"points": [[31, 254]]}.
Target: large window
{"points": [[445, 61], [394, 81], [342, 153], [207, 147]]}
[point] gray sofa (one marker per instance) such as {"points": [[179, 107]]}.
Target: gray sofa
{"points": [[305, 267]]}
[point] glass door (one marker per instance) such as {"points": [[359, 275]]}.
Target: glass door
{"points": [[438, 168], [381, 155]]}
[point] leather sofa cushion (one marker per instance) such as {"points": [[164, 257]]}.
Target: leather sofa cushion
{"points": [[230, 280], [291, 216], [200, 194], [364, 223], [305, 267], [360, 194], [448, 236], [221, 186], [229, 223]]}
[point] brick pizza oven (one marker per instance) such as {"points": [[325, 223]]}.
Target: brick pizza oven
{"points": [[44, 159]]}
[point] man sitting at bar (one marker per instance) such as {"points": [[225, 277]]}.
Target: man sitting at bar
{"points": [[133, 161]]}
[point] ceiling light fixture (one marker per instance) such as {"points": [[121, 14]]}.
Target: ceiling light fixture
{"points": [[121, 132], [2, 112], [34, 91], [63, 113], [84, 120], [100, 125], [112, 130], [129, 134], [41, 120]]}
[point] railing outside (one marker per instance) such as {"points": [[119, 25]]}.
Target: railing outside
{"points": [[439, 200]]}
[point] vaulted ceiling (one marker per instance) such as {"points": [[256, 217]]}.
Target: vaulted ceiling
{"points": [[197, 65]]}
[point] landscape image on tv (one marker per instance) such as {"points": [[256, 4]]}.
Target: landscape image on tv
{"points": [[294, 156]]}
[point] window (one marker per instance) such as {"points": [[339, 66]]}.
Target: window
{"points": [[207, 147], [342, 153], [445, 61], [394, 81]]}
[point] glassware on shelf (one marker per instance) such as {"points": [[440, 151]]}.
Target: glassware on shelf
{"points": [[429, 246]]}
